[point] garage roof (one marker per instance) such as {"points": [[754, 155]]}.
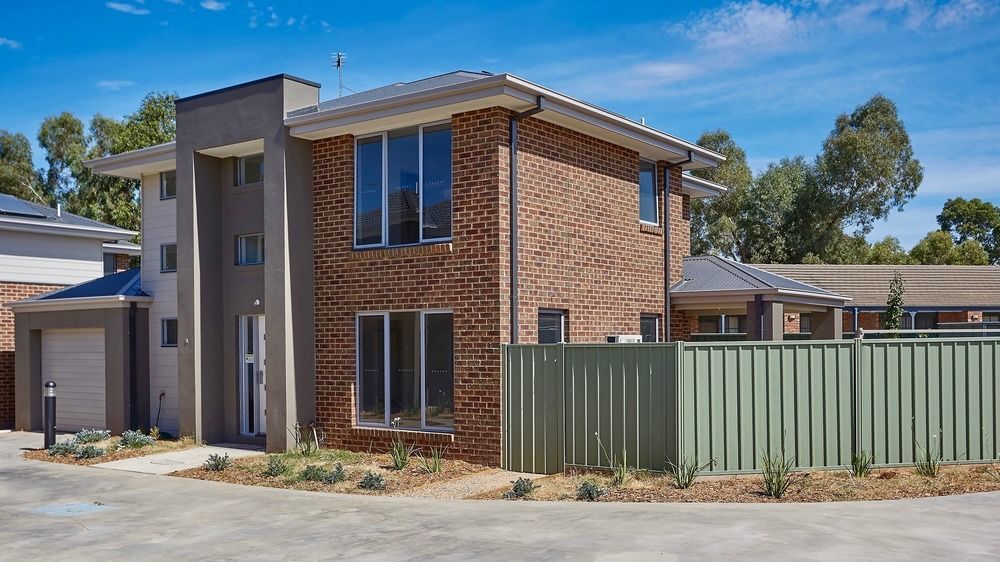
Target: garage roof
{"points": [[109, 290]]}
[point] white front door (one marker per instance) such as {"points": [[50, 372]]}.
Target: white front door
{"points": [[253, 382]]}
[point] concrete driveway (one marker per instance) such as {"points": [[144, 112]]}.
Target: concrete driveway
{"points": [[51, 511]]}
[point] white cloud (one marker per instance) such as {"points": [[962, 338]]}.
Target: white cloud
{"points": [[5, 42], [273, 19], [127, 8], [113, 85], [326, 26], [213, 5], [958, 12], [737, 27]]}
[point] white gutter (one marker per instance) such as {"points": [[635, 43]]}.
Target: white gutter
{"points": [[723, 293], [76, 230], [118, 164], [131, 249], [520, 91], [78, 303], [699, 187]]}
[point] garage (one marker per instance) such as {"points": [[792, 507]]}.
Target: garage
{"points": [[74, 360]]}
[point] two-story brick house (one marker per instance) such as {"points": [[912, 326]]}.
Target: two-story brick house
{"points": [[409, 231]]}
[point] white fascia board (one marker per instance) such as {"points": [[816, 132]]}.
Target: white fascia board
{"points": [[135, 164], [744, 295], [131, 249], [698, 187], [75, 230], [82, 303], [502, 90]]}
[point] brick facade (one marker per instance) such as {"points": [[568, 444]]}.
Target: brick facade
{"points": [[964, 316], [121, 262], [581, 250], [11, 292]]}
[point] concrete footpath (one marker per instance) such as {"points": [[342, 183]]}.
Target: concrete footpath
{"points": [[50, 511], [163, 463]]}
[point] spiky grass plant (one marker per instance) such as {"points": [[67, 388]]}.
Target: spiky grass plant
{"points": [[432, 463], [621, 472], [927, 462], [686, 471], [777, 470], [861, 464]]}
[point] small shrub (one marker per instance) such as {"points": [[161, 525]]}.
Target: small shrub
{"points": [[887, 474], [777, 472], [276, 466], [154, 432], [63, 449], [432, 464], [135, 440], [89, 452], [317, 473], [686, 472], [372, 481], [589, 491], [927, 463], [861, 465], [217, 462], [91, 436], [522, 487]]}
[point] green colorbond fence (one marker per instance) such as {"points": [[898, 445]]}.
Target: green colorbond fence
{"points": [[819, 401]]}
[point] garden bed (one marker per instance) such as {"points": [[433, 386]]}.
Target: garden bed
{"points": [[807, 487], [112, 450], [253, 471]]}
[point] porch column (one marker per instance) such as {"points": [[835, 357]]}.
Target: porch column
{"points": [[829, 324], [765, 321]]}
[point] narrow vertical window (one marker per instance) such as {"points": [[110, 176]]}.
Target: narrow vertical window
{"points": [[168, 184], [371, 369], [439, 370], [404, 376], [648, 208], [368, 193], [436, 186], [649, 327], [551, 326], [403, 202], [168, 258], [168, 332]]}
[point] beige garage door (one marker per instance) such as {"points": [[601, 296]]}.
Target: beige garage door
{"points": [[74, 359]]}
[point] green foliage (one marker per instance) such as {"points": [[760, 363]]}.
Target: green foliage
{"points": [[938, 248], [63, 449], [432, 464], [893, 317], [89, 452], [317, 473], [621, 472], [18, 176], [372, 481], [520, 488], [308, 438], [91, 435], [276, 466], [973, 219], [927, 463], [399, 451], [135, 440], [713, 230], [217, 462], [687, 471], [778, 474], [861, 464], [590, 491]]}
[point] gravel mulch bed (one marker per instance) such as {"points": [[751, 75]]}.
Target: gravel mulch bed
{"points": [[249, 471], [112, 452], [810, 487]]}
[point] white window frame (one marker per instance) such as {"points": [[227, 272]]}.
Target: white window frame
{"points": [[384, 136], [241, 249], [656, 194], [163, 184], [656, 325], [387, 423], [163, 332], [241, 169], [163, 254], [562, 321]]}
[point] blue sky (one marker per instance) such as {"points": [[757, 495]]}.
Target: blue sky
{"points": [[775, 74]]}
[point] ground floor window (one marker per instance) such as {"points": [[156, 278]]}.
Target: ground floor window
{"points": [[406, 369], [649, 328], [805, 324]]}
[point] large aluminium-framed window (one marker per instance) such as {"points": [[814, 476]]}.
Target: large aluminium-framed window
{"points": [[402, 191], [405, 369], [648, 202]]}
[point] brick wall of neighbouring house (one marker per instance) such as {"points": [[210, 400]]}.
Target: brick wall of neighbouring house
{"points": [[121, 262], [792, 323], [581, 249], [870, 320], [10, 292], [960, 316]]}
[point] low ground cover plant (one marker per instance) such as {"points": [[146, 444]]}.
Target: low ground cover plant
{"points": [[217, 462], [276, 466], [133, 439], [372, 481], [520, 488], [317, 473], [63, 449], [589, 491], [91, 436], [89, 451]]}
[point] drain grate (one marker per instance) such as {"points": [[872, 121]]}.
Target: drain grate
{"points": [[71, 509]]}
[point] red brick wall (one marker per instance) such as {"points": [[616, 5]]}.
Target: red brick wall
{"points": [[792, 323], [961, 316], [11, 292], [581, 249], [121, 262], [870, 320]]}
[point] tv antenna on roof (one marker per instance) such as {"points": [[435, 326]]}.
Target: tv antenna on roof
{"points": [[339, 59]]}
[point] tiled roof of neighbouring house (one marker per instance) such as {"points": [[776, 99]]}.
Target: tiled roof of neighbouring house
{"points": [[124, 284], [713, 274], [926, 285]]}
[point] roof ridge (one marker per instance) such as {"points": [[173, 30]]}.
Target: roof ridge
{"points": [[732, 264]]}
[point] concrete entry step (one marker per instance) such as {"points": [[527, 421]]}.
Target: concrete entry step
{"points": [[163, 463]]}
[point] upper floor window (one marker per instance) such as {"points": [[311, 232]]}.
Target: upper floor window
{"points": [[168, 257], [648, 210], [249, 169], [402, 192], [249, 249], [168, 184], [168, 332]]}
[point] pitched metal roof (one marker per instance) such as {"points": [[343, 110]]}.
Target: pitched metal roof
{"points": [[28, 212], [123, 284], [703, 274], [926, 285]]}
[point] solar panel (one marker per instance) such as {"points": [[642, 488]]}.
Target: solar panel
{"points": [[10, 205]]}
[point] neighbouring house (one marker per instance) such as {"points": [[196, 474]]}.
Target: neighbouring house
{"points": [[936, 297], [392, 240], [41, 250]]}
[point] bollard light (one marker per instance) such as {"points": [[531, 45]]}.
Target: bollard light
{"points": [[49, 409]]}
